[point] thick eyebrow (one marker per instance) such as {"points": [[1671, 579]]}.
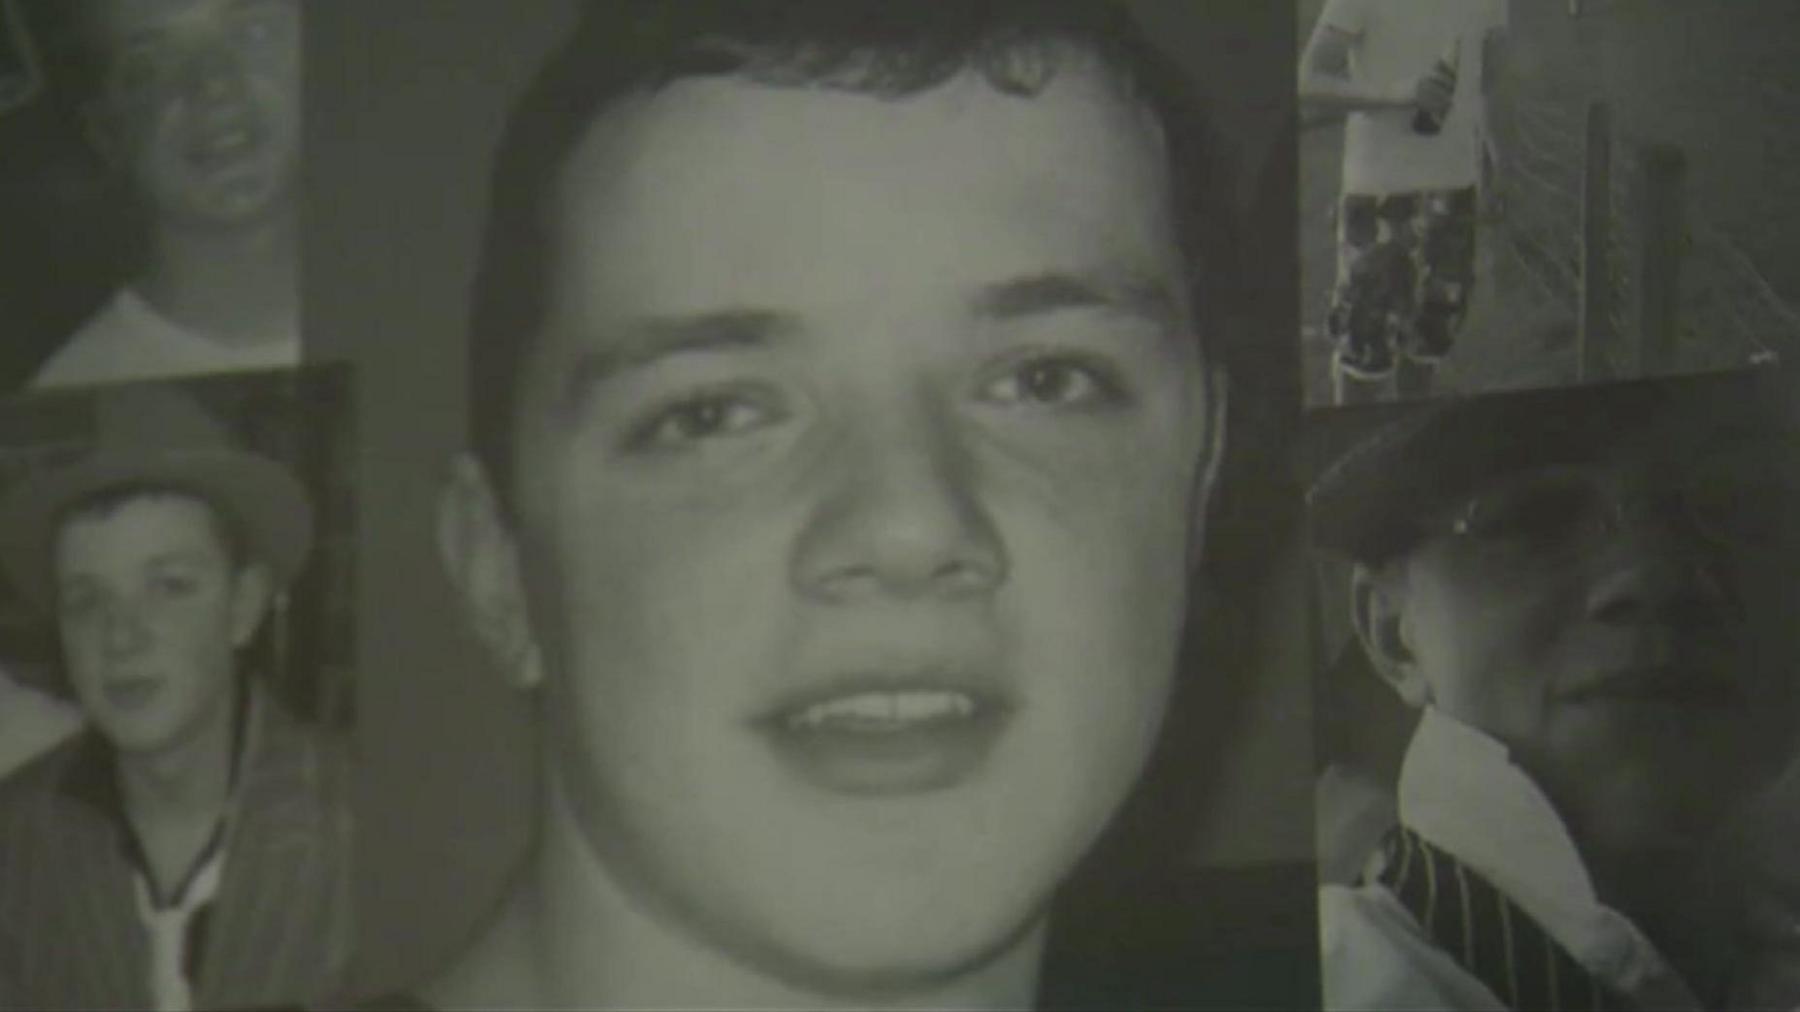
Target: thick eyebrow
{"points": [[1052, 291], [180, 558], [642, 343]]}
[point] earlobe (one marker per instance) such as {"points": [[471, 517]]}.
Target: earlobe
{"points": [[482, 561], [1378, 611]]}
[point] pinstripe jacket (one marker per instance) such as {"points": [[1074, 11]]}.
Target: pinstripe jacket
{"points": [[277, 933], [1480, 900]]}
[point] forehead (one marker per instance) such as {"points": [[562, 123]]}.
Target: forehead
{"points": [[138, 528], [715, 192]]}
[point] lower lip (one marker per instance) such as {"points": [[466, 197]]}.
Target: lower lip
{"points": [[131, 695], [220, 155], [910, 758]]}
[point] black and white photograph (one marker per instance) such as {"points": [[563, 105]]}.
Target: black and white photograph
{"points": [[833, 570], [176, 693], [1510, 194], [899, 504], [149, 189], [1557, 699]]}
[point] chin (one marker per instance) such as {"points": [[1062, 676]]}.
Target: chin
{"points": [[871, 958]]}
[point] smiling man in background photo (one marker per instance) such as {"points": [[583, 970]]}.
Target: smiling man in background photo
{"points": [[195, 106], [1587, 594]]}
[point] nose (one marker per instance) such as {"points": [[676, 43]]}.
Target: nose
{"points": [[123, 631], [213, 71], [1658, 570], [899, 516]]}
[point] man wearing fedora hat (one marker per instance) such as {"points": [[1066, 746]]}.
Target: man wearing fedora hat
{"points": [[1585, 594], [188, 850]]}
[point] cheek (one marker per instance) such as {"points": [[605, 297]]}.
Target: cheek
{"points": [[664, 615], [82, 650], [1490, 649], [1098, 598]]}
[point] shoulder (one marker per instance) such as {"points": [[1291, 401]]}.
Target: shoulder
{"points": [[91, 352], [1375, 955], [40, 820], [33, 788], [296, 782]]}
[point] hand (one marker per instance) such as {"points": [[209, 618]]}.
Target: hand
{"points": [[1434, 90]]}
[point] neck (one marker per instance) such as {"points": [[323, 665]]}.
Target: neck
{"points": [[569, 937], [237, 286], [187, 782]]}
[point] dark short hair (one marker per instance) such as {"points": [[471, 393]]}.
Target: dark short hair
{"points": [[884, 48], [109, 500]]}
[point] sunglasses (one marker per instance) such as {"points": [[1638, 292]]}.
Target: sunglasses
{"points": [[1740, 505]]}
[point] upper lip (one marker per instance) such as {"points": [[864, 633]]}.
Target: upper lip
{"points": [[985, 691], [206, 137]]}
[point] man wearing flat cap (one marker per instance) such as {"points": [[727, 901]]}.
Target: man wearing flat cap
{"points": [[188, 849], [1586, 595]]}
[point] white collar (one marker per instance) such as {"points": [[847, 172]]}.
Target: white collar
{"points": [[1460, 789]]}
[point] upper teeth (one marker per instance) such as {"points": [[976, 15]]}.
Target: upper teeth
{"points": [[885, 707]]}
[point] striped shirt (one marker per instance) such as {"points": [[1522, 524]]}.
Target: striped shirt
{"points": [[1482, 901], [275, 933]]}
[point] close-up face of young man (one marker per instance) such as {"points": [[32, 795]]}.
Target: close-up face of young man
{"points": [[858, 469], [151, 608], [1624, 625], [199, 103]]}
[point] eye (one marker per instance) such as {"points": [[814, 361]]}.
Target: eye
{"points": [[172, 584], [1539, 513], [702, 417], [75, 604], [1055, 381], [256, 27], [138, 68]]}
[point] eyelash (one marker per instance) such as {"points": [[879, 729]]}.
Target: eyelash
{"points": [[657, 431], [1108, 385], [739, 411]]}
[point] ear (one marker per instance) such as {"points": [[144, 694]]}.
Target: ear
{"points": [[482, 560], [1210, 390], [252, 591], [1378, 602]]}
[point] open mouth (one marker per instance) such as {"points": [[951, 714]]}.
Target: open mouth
{"points": [[883, 736], [130, 693], [220, 147]]}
